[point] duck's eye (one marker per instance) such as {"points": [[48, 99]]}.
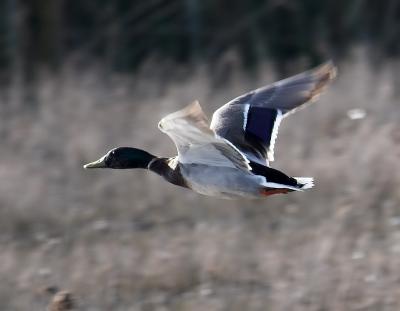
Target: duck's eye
{"points": [[160, 125]]}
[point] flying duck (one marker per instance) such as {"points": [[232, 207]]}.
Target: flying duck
{"points": [[230, 158]]}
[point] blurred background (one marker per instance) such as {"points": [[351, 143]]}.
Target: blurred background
{"points": [[80, 77]]}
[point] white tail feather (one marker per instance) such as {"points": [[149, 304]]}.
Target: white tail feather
{"points": [[307, 182]]}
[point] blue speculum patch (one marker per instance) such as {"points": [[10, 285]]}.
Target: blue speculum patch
{"points": [[260, 122]]}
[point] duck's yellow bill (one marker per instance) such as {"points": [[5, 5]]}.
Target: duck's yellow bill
{"points": [[100, 163]]}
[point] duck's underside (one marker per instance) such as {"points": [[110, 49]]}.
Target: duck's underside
{"points": [[230, 183]]}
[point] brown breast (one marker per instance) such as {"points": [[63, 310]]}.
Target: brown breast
{"points": [[169, 169]]}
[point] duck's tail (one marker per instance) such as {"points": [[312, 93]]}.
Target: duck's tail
{"points": [[304, 183]]}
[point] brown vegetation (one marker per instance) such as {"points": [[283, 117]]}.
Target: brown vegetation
{"points": [[62, 301], [127, 240]]}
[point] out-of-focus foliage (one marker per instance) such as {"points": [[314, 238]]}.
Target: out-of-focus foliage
{"points": [[127, 240], [123, 32]]}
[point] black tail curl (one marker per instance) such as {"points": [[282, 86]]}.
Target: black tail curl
{"points": [[273, 175]]}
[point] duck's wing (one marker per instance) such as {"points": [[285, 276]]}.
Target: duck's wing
{"points": [[196, 142], [251, 121]]}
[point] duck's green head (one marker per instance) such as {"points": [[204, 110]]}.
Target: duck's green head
{"points": [[122, 158]]}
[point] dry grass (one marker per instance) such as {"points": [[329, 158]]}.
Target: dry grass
{"points": [[126, 240], [62, 301]]}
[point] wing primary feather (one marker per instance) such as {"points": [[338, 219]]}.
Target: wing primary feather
{"points": [[197, 143], [246, 160], [250, 122]]}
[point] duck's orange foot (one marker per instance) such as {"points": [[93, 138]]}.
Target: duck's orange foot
{"points": [[268, 191]]}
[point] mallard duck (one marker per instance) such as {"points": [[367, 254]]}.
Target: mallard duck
{"points": [[230, 158]]}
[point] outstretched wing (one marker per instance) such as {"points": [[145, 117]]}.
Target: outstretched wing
{"points": [[251, 121], [196, 142]]}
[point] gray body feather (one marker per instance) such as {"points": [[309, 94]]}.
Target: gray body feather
{"points": [[223, 182]]}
